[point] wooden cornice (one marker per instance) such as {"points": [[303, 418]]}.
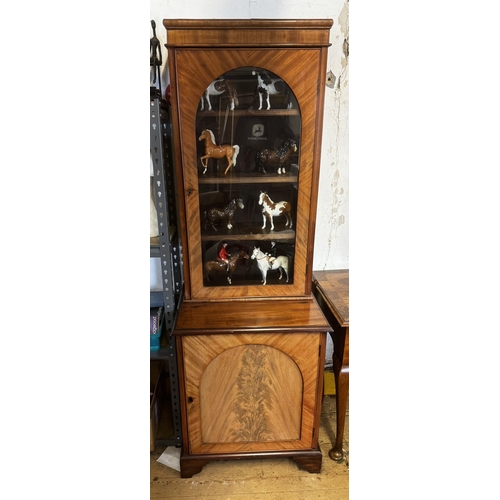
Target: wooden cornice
{"points": [[248, 32]]}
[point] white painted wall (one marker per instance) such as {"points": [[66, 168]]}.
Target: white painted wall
{"points": [[331, 249]]}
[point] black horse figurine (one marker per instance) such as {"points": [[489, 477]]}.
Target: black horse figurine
{"points": [[267, 86], [269, 158], [226, 215]]}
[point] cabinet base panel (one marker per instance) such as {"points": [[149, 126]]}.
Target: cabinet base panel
{"points": [[308, 460]]}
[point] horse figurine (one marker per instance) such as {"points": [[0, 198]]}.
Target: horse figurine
{"points": [[280, 263], [271, 209], [214, 151], [217, 265], [268, 158], [218, 87], [214, 214], [267, 86]]}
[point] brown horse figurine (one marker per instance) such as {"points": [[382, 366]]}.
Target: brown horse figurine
{"points": [[214, 151], [217, 265], [269, 158]]}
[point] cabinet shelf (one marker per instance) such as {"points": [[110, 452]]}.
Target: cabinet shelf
{"points": [[258, 234], [232, 178], [253, 112]]}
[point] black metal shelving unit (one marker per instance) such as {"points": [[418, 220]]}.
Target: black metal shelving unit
{"points": [[168, 250]]}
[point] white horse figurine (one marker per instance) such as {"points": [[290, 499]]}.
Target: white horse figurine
{"points": [[218, 87], [280, 263], [271, 209], [269, 86]]}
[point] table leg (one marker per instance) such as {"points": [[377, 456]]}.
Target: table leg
{"points": [[342, 390]]}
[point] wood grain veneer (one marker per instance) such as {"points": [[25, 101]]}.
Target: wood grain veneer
{"points": [[248, 33], [252, 392], [251, 357], [294, 66], [256, 315], [198, 55], [263, 405]]}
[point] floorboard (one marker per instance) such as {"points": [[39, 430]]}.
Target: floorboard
{"points": [[271, 479]]}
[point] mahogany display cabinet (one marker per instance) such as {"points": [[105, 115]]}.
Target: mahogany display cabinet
{"points": [[247, 113]]}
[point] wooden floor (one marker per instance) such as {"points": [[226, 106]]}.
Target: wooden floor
{"points": [[272, 479]]}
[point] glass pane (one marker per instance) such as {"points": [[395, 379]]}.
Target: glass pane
{"points": [[248, 135]]}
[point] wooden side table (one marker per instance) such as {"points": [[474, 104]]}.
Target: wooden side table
{"points": [[331, 289]]}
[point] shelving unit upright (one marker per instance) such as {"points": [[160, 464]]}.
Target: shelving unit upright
{"points": [[167, 246]]}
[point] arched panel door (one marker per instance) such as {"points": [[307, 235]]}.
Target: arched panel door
{"points": [[258, 397], [251, 392]]}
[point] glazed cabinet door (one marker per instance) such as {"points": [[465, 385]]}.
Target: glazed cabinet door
{"points": [[252, 392], [248, 121]]}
